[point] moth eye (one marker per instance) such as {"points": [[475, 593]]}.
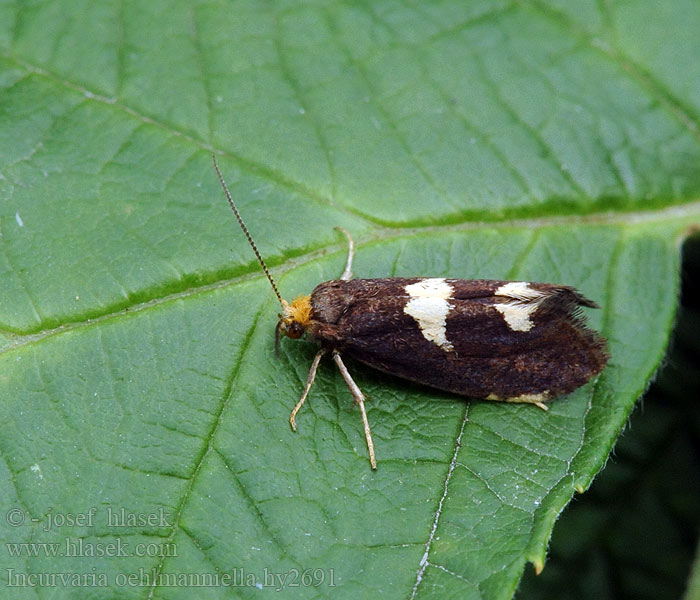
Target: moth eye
{"points": [[294, 330]]}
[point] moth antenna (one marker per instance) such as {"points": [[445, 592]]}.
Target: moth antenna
{"points": [[247, 234]]}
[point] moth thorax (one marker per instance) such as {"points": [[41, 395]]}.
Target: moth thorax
{"points": [[296, 318]]}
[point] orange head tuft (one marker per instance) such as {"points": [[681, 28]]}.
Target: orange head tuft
{"points": [[296, 317]]}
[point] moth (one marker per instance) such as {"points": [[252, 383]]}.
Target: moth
{"points": [[509, 341]]}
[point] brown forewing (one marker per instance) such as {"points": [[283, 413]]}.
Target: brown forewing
{"points": [[365, 319]]}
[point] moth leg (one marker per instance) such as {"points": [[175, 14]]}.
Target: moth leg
{"points": [[309, 383], [347, 273], [360, 399], [536, 399]]}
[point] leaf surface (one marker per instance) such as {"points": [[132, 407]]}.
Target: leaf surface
{"points": [[489, 140]]}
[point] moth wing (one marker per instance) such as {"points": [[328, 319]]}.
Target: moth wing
{"points": [[489, 344]]}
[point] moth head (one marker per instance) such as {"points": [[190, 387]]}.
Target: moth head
{"points": [[294, 319]]}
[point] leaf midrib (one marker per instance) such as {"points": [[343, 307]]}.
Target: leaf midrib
{"points": [[676, 213]]}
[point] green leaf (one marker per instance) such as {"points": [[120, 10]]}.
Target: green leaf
{"points": [[522, 141]]}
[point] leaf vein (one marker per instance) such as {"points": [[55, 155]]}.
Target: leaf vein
{"points": [[453, 463], [208, 443]]}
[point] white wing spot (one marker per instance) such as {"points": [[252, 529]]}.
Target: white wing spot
{"points": [[525, 302], [428, 305]]}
